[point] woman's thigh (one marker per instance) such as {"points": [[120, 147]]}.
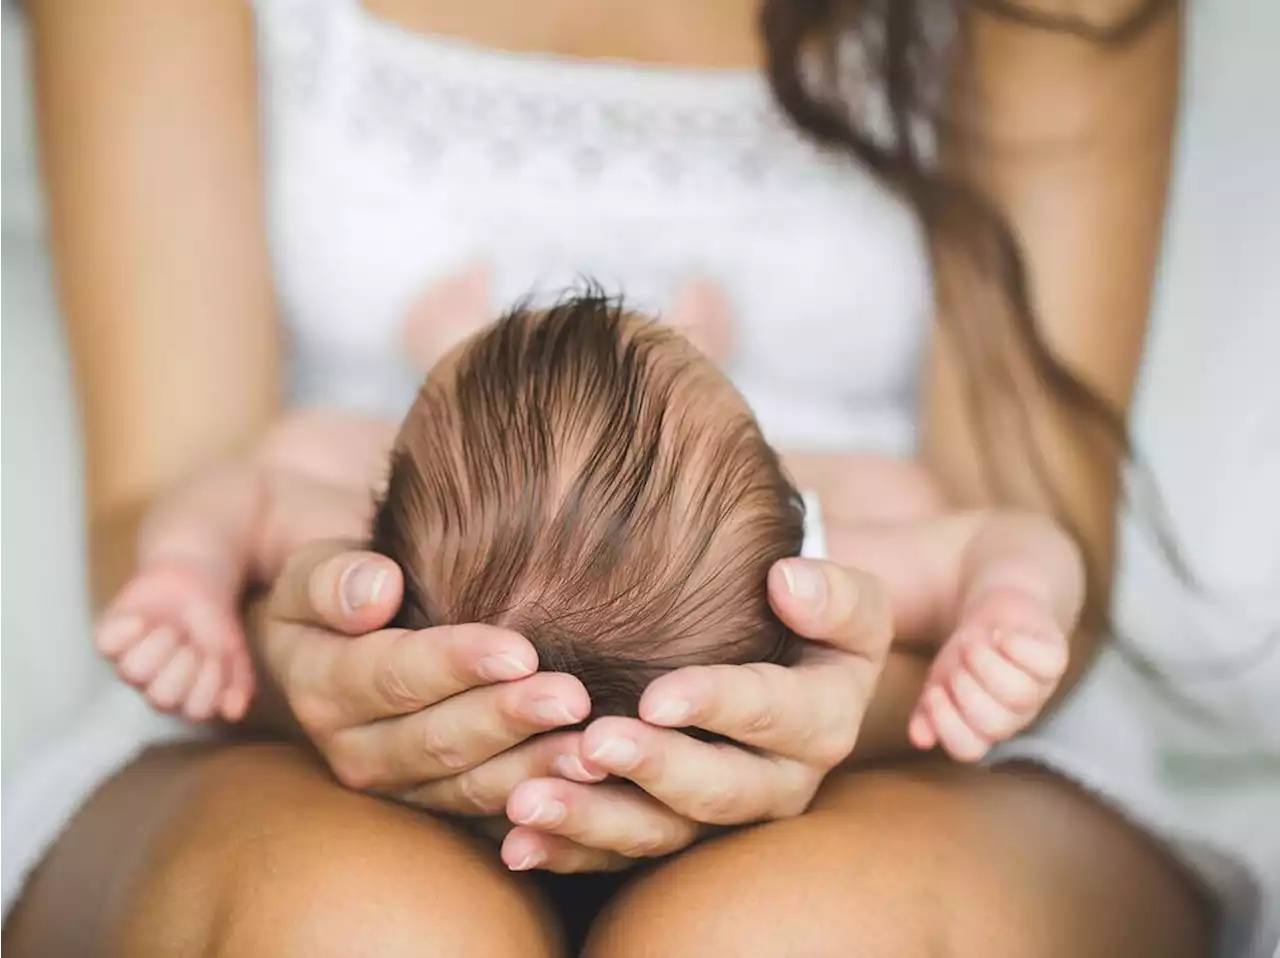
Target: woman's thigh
{"points": [[251, 850], [925, 860]]}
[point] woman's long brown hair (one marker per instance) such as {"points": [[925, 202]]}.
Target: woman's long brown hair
{"points": [[905, 53]]}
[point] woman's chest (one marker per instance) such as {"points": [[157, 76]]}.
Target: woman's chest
{"points": [[392, 169]]}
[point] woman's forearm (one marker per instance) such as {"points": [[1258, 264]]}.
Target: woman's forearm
{"points": [[149, 154]]}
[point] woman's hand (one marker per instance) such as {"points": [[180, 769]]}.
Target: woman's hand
{"points": [[797, 722], [439, 718]]}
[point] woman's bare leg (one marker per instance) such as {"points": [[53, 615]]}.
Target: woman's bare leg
{"points": [[927, 860], [251, 850]]}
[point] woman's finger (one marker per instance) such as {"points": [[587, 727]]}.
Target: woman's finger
{"points": [[456, 734], [843, 608], [330, 586], [615, 818], [336, 684], [712, 783], [808, 712], [524, 849], [484, 790]]}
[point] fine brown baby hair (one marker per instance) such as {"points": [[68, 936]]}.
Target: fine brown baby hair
{"points": [[583, 476]]}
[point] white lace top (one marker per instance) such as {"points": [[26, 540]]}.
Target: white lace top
{"points": [[395, 159]]}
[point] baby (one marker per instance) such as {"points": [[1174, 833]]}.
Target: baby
{"points": [[587, 478]]}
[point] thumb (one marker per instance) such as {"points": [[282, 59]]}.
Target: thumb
{"points": [[329, 585], [829, 603]]}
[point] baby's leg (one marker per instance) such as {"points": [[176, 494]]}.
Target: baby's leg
{"points": [[702, 313], [449, 312], [993, 675], [173, 631]]}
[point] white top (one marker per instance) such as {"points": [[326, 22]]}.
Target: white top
{"points": [[396, 159]]}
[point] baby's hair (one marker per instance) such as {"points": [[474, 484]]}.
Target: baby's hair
{"points": [[581, 475]]}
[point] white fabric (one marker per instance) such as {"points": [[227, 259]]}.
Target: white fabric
{"points": [[815, 537], [394, 159]]}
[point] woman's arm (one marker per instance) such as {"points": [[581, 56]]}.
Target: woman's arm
{"points": [[148, 134], [1081, 139]]}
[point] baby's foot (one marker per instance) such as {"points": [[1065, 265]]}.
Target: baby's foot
{"points": [[702, 313], [451, 311], [992, 677], [175, 636]]}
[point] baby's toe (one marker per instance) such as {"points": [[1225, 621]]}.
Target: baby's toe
{"points": [[140, 664], [1002, 678], [238, 695], [118, 633], [206, 690], [1042, 655], [956, 736], [992, 719], [920, 732], [172, 682]]}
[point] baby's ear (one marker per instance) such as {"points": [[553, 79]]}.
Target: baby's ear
{"points": [[448, 312], [701, 312]]}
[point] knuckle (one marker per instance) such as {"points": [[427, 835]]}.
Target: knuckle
{"points": [[475, 797], [651, 844], [388, 682], [315, 713], [439, 740], [830, 750], [349, 767], [719, 804], [761, 719], [795, 803]]}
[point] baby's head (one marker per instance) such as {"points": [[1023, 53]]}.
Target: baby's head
{"points": [[585, 477]]}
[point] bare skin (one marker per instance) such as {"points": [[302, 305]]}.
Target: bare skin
{"points": [[217, 853]]}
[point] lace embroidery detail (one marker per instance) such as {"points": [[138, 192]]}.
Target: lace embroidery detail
{"points": [[564, 127], [430, 101], [293, 39]]}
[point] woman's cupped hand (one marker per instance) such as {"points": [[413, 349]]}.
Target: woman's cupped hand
{"points": [[457, 719]]}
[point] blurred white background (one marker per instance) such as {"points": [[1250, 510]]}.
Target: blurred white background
{"points": [[45, 671]]}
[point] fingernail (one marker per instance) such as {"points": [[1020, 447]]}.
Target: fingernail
{"points": [[502, 668], [548, 812], [803, 580], [362, 584], [572, 768], [620, 753], [531, 860], [553, 712], [671, 712]]}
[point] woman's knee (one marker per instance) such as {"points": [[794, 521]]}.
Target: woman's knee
{"points": [[896, 863], [271, 859], [782, 889]]}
